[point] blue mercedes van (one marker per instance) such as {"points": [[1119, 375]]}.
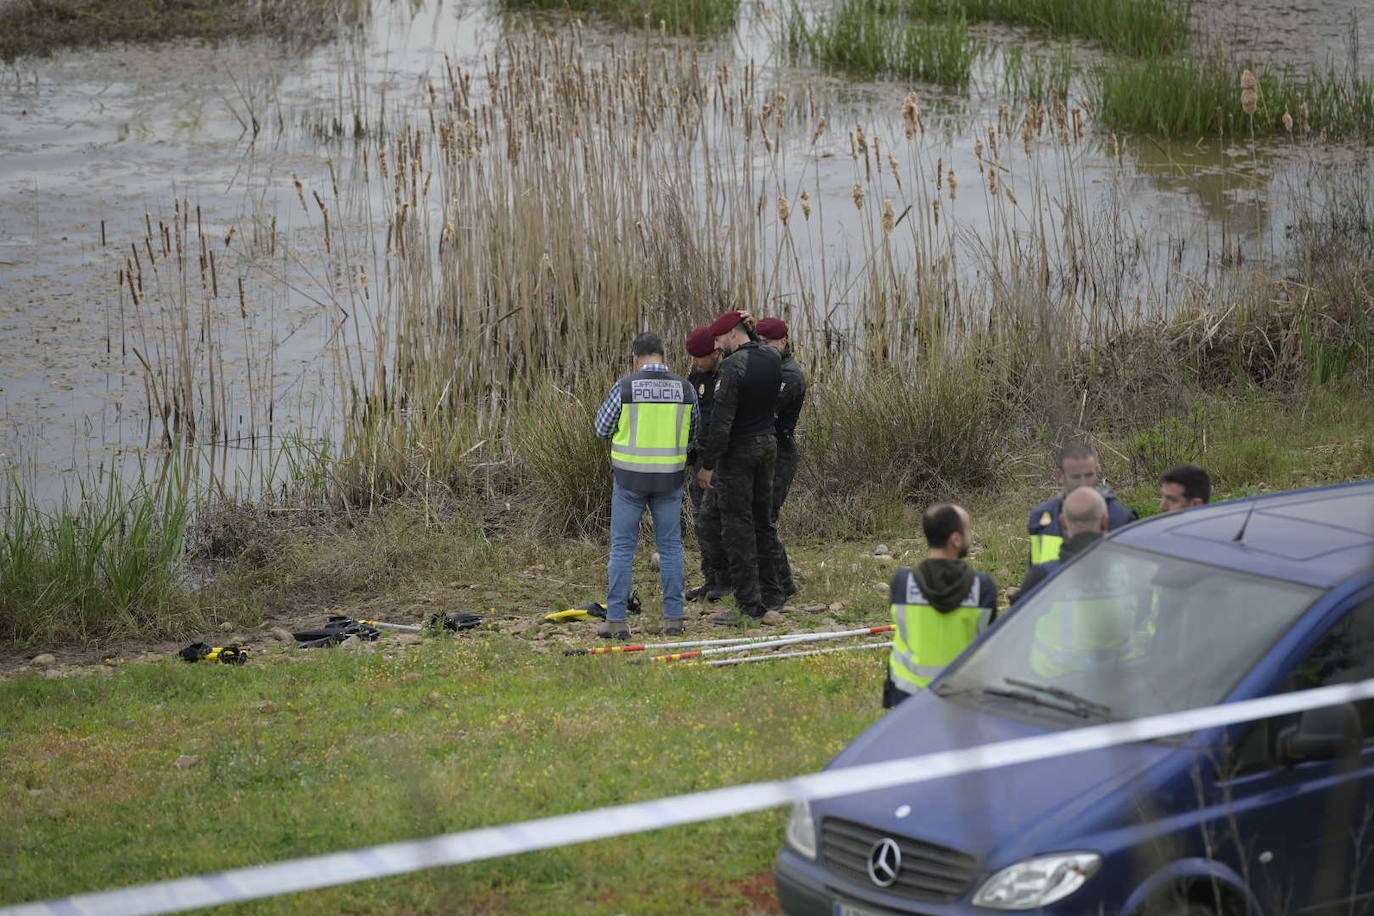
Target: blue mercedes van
{"points": [[1212, 605]]}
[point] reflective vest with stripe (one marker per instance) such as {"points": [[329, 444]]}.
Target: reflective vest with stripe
{"points": [[927, 640], [649, 448], [1087, 632], [1046, 538]]}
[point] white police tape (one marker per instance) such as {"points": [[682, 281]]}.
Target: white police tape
{"points": [[563, 830]]}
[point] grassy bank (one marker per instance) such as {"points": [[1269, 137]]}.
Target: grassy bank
{"points": [[107, 564], [206, 766], [346, 749], [39, 27]]}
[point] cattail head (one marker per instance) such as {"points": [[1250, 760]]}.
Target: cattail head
{"points": [[953, 180], [889, 216], [820, 129], [978, 148], [1304, 117], [784, 208], [911, 114], [992, 181], [1288, 123], [935, 210], [1249, 92], [805, 200], [857, 194]]}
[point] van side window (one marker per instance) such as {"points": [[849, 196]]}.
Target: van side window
{"points": [[1343, 655]]}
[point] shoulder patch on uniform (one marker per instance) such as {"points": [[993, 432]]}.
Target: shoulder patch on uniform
{"points": [[1045, 519], [701, 389]]}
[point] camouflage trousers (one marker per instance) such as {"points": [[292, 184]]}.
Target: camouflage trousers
{"points": [[783, 472], [742, 501], [715, 567]]}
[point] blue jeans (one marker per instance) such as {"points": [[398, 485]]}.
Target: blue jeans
{"points": [[627, 508]]}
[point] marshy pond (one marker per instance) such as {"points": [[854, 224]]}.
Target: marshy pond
{"points": [[221, 246]]}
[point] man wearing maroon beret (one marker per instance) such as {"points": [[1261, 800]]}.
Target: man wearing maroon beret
{"points": [[715, 568], [736, 456], [790, 399]]}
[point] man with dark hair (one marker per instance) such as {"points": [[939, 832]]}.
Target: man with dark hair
{"points": [[1083, 520], [1076, 465], [1184, 487], [715, 568], [649, 416], [738, 451], [939, 607]]}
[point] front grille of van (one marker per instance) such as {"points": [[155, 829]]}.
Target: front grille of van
{"points": [[928, 871]]}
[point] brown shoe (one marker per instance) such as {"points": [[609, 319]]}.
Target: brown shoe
{"points": [[613, 629], [674, 627]]}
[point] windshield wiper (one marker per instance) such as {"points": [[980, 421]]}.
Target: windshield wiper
{"points": [[1087, 705], [1035, 699]]}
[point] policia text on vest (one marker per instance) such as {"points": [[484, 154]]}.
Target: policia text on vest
{"points": [[649, 448]]}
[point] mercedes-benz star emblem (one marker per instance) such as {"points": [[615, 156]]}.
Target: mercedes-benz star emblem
{"points": [[885, 862]]}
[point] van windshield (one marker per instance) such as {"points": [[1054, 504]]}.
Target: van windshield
{"points": [[1127, 633]]}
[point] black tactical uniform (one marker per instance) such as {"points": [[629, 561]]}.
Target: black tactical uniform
{"points": [[790, 398], [714, 569], [740, 447]]}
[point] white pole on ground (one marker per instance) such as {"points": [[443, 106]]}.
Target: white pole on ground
{"points": [[777, 655]]}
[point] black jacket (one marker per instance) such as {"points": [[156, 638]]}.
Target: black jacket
{"points": [[790, 398], [746, 399]]}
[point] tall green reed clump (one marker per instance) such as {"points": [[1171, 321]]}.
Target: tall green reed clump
{"points": [[1216, 94], [869, 38], [110, 566], [1143, 28], [679, 17]]}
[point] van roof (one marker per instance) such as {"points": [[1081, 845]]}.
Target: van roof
{"points": [[1320, 536]]}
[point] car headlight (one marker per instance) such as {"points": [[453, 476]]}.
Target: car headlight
{"points": [[1037, 882], [801, 830]]}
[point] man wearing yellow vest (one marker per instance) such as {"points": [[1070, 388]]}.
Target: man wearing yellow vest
{"points": [[1095, 622], [1075, 465], [649, 416], [938, 607]]}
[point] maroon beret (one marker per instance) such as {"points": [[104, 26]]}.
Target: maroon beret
{"points": [[771, 328], [725, 323], [701, 342]]}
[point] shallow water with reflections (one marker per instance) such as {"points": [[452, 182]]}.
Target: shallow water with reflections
{"points": [[107, 155]]}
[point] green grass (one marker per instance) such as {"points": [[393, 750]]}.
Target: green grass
{"points": [[1199, 95], [689, 17], [1143, 28], [864, 37], [106, 567], [1036, 77], [39, 27], [361, 748]]}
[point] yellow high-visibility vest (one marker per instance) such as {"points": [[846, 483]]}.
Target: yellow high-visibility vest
{"points": [[927, 640]]}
